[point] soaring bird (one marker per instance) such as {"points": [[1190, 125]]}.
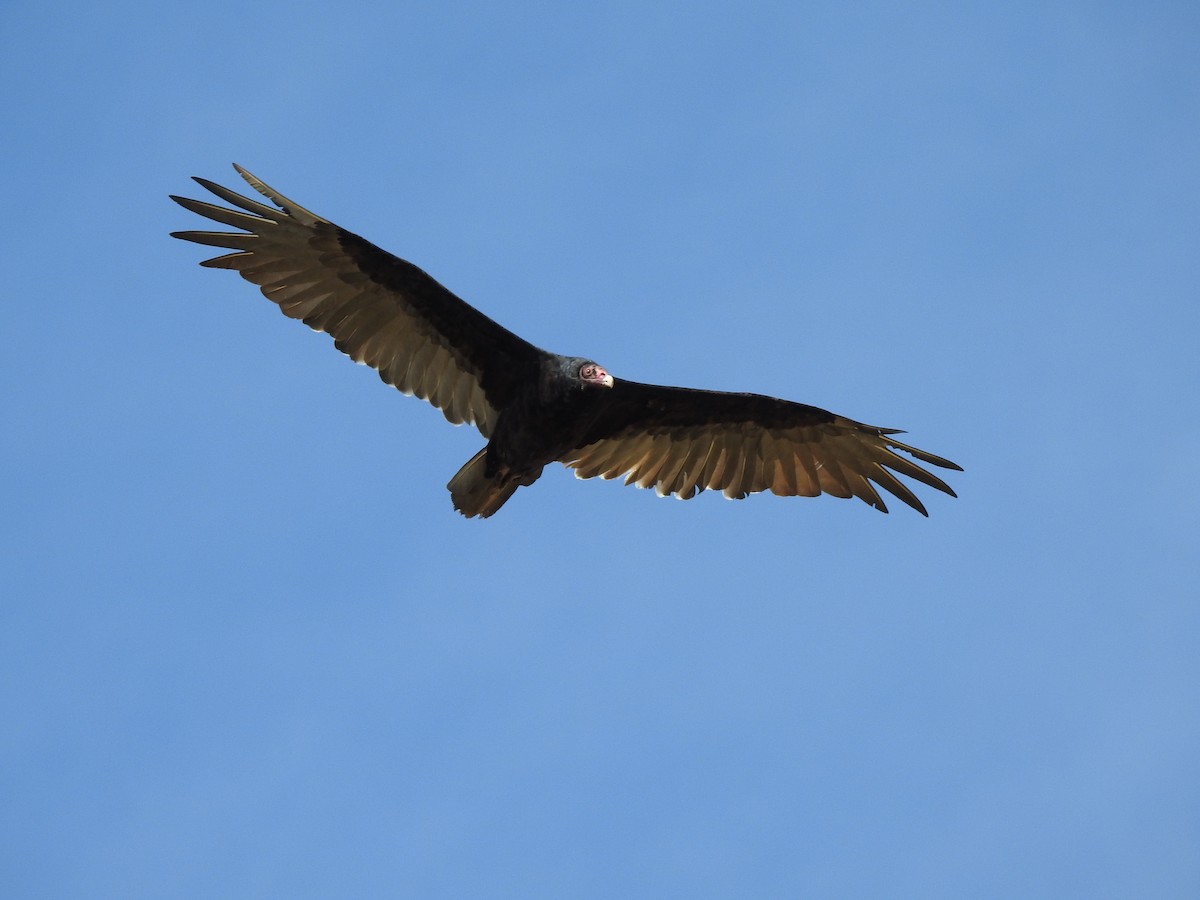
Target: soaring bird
{"points": [[536, 407]]}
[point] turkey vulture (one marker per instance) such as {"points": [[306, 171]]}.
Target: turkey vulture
{"points": [[536, 407]]}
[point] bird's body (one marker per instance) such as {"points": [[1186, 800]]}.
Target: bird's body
{"points": [[547, 417], [536, 407]]}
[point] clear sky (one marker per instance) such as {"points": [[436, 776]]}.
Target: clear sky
{"points": [[247, 648]]}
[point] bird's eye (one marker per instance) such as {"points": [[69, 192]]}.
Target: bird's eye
{"points": [[587, 371]]}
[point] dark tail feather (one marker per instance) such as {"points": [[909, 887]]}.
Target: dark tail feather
{"points": [[473, 493]]}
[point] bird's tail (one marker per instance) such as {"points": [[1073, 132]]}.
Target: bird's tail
{"points": [[476, 494]]}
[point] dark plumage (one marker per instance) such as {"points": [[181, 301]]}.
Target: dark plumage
{"points": [[537, 407]]}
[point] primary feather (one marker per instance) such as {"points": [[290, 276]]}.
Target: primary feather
{"points": [[537, 407]]}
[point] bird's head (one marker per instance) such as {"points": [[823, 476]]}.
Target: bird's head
{"points": [[572, 377], [592, 375]]}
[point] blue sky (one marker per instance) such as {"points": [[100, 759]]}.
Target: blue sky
{"points": [[248, 649]]}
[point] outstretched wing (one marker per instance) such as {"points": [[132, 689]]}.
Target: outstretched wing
{"points": [[681, 441], [380, 310]]}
